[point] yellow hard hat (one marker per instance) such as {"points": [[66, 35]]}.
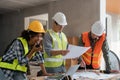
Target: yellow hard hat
{"points": [[36, 26]]}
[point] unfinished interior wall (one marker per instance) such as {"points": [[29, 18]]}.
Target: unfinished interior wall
{"points": [[80, 16]]}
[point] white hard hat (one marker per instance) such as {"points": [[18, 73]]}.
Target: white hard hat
{"points": [[60, 18], [97, 28]]}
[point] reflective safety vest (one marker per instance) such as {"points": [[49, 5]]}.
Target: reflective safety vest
{"points": [[58, 43], [93, 57], [15, 66]]}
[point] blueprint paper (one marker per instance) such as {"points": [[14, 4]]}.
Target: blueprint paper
{"points": [[92, 75]]}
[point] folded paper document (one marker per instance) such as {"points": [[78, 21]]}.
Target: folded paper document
{"points": [[75, 51]]}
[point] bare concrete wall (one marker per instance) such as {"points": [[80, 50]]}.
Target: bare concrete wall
{"points": [[13, 24], [80, 15]]}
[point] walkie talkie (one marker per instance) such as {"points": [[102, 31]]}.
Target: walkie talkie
{"points": [[38, 45]]}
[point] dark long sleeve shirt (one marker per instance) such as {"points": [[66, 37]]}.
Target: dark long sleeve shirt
{"points": [[105, 50], [16, 51]]}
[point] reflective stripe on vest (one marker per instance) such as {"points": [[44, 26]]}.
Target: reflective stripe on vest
{"points": [[58, 43], [96, 58], [53, 59], [15, 65], [25, 44]]}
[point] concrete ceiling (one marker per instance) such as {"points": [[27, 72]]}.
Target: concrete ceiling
{"points": [[14, 5]]}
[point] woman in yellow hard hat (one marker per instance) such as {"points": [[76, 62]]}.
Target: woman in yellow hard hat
{"points": [[13, 64]]}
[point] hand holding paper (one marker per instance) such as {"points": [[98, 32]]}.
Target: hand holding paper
{"points": [[64, 52], [59, 52], [75, 51]]}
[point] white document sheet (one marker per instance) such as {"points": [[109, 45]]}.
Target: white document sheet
{"points": [[92, 76], [72, 70], [75, 51]]}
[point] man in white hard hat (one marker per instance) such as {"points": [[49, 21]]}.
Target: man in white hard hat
{"points": [[96, 39], [55, 45]]}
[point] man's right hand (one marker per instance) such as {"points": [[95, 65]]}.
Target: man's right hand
{"points": [[64, 52], [82, 63]]}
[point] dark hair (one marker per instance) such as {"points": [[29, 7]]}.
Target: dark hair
{"points": [[27, 34], [56, 23]]}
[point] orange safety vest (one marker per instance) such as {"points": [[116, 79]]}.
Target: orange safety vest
{"points": [[95, 54]]}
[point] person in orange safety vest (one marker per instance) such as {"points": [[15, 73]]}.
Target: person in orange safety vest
{"points": [[96, 39]]}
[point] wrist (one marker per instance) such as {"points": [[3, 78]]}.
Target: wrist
{"points": [[102, 71]]}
